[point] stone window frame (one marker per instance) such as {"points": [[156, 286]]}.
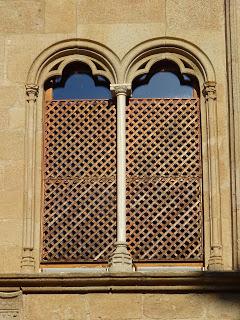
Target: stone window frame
{"points": [[121, 73]]}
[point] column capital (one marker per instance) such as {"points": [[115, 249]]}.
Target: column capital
{"points": [[209, 90], [32, 92], [123, 89]]}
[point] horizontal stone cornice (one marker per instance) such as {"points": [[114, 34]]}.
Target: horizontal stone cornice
{"points": [[137, 282]]}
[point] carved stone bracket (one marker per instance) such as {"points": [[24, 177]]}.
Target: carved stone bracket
{"points": [[215, 260], [209, 90], [32, 91], [28, 264]]}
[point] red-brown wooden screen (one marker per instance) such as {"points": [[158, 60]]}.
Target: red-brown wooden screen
{"points": [[164, 214]]}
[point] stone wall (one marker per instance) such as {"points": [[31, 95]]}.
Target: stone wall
{"points": [[132, 306], [27, 28], [193, 306]]}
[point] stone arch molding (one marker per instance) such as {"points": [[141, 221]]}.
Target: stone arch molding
{"points": [[52, 61], [120, 73], [189, 58]]}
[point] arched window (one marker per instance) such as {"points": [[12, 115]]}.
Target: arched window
{"points": [[163, 158], [164, 219], [79, 180], [164, 175]]}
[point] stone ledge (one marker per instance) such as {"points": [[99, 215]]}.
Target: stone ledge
{"points": [[202, 281]]}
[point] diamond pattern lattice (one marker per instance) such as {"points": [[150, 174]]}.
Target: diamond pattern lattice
{"points": [[164, 219], [79, 223]]}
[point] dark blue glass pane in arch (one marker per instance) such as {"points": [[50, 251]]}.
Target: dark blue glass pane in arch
{"points": [[81, 86], [163, 84]]}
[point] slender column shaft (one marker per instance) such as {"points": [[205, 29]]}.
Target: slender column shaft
{"points": [[121, 260], [28, 232], [215, 261], [121, 167]]}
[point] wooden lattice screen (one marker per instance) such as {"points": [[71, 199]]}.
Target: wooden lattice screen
{"points": [[164, 180], [79, 222], [164, 219]]}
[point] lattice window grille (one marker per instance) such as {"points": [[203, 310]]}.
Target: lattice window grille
{"points": [[164, 214], [164, 174], [79, 222]]}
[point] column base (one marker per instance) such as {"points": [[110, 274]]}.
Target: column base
{"points": [[121, 260], [215, 261], [28, 262]]}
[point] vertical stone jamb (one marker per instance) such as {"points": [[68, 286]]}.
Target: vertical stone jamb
{"points": [[121, 260], [28, 261], [233, 72], [215, 260]]}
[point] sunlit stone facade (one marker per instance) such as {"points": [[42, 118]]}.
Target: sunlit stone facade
{"points": [[37, 39]]}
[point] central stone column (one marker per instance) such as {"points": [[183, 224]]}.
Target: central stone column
{"points": [[121, 260]]}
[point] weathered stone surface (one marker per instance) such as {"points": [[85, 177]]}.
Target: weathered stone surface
{"points": [[200, 14], [222, 306], [12, 145], [136, 33], [10, 259], [21, 53], [2, 58], [9, 96], [16, 118], [118, 306], [124, 11], [4, 119], [55, 307], [10, 202], [1, 73], [13, 175], [64, 18], [10, 232], [19, 16], [1, 178], [114, 306], [12, 256], [175, 306]]}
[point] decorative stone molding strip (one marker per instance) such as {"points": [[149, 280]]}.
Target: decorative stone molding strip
{"points": [[202, 281], [12, 294]]}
